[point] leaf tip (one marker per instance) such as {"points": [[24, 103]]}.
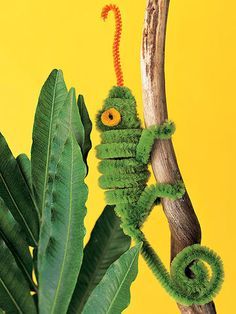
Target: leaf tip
{"points": [[59, 71], [56, 73], [72, 91]]}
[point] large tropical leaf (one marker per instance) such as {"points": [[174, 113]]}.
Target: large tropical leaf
{"points": [[14, 289], [107, 243], [87, 124], [25, 167], [65, 120], [63, 257], [112, 294], [11, 232], [53, 236], [50, 103], [16, 194], [49, 136]]}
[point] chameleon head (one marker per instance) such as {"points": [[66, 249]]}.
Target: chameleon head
{"points": [[119, 111]]}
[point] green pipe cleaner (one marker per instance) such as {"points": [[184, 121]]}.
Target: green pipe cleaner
{"points": [[125, 153]]}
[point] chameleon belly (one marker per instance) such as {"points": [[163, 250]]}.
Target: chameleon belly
{"points": [[123, 176]]}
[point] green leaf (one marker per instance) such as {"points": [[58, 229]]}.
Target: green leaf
{"points": [[14, 290], [25, 167], [16, 194], [63, 256], [112, 294], [12, 235], [51, 100], [78, 127], [87, 126], [107, 243], [61, 133]]}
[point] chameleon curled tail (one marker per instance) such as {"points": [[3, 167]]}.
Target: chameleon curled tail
{"points": [[197, 289], [125, 153]]}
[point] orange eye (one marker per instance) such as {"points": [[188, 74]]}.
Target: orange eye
{"points": [[111, 117]]}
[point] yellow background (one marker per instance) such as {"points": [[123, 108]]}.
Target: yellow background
{"points": [[37, 36]]}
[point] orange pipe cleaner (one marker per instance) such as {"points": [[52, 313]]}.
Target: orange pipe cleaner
{"points": [[116, 43]]}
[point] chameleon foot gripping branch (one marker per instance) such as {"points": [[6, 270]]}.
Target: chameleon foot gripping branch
{"points": [[125, 153]]}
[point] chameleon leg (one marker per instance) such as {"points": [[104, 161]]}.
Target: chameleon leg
{"points": [[149, 197], [151, 194], [133, 216], [148, 137]]}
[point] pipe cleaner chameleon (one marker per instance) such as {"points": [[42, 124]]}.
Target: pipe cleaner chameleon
{"points": [[125, 152]]}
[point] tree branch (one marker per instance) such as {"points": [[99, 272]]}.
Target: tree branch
{"points": [[184, 226]]}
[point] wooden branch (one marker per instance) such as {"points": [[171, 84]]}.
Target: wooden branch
{"points": [[183, 222]]}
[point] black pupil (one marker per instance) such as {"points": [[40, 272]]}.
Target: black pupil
{"points": [[110, 116]]}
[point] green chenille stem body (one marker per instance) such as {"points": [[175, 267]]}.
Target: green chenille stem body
{"points": [[125, 153]]}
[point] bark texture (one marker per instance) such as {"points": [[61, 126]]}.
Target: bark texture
{"points": [[184, 226]]}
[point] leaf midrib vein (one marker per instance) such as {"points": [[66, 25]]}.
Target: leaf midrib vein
{"points": [[17, 257], [49, 143], [11, 296], [93, 276], [68, 230], [30, 190], [18, 210], [121, 284]]}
